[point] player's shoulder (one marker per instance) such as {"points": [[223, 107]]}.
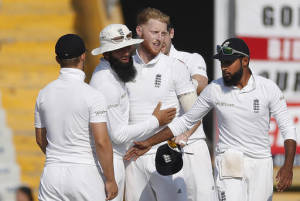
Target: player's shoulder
{"points": [[102, 70], [263, 81]]}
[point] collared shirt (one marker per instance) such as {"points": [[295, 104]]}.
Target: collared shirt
{"points": [[160, 80], [196, 66], [108, 83], [243, 115], [194, 61], [65, 107]]}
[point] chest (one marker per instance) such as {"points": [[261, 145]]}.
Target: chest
{"points": [[248, 106], [151, 84]]}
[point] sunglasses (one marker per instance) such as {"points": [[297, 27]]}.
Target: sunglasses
{"points": [[229, 51], [120, 39]]}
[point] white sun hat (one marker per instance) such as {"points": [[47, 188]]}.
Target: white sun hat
{"points": [[113, 37]]}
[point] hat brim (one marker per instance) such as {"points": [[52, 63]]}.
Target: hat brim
{"points": [[223, 57], [115, 46]]}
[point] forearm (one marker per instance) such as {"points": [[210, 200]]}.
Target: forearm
{"points": [[105, 157], [290, 150], [128, 133], [163, 135], [41, 138]]}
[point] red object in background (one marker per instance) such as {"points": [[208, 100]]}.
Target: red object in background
{"points": [[258, 47], [275, 149]]}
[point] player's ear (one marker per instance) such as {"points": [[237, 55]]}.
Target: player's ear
{"points": [[245, 61], [172, 32], [139, 30]]}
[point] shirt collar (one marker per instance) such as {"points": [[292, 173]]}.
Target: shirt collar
{"points": [[250, 86], [72, 73], [173, 52], [151, 63]]}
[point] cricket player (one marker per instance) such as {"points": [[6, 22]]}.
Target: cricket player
{"points": [[70, 122], [159, 78], [243, 103], [200, 184], [114, 70]]}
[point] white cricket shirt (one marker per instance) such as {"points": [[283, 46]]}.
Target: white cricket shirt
{"points": [[65, 107], [121, 133], [194, 61], [243, 115], [160, 80], [196, 66]]}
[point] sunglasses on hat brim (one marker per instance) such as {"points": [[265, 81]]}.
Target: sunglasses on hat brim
{"points": [[120, 39], [229, 51]]}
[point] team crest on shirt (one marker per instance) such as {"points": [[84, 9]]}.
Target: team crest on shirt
{"points": [[157, 81], [256, 106]]}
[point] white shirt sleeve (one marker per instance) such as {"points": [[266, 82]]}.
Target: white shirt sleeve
{"points": [[38, 120], [202, 106], [97, 108], [119, 130], [182, 79], [278, 109], [196, 65]]}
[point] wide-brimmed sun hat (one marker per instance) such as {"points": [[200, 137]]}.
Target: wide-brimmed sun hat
{"points": [[113, 37]]}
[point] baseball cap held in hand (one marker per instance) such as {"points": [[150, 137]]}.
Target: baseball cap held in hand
{"points": [[113, 37], [168, 160], [69, 46]]}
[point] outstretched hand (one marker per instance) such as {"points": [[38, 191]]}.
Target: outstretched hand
{"points": [[137, 150]]}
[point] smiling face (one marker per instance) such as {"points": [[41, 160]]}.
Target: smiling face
{"points": [[153, 33]]}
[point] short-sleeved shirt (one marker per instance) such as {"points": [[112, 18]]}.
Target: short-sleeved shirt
{"points": [[194, 61], [105, 80], [196, 66], [243, 115], [162, 79], [66, 107]]}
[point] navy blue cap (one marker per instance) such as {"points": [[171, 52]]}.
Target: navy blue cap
{"points": [[236, 44], [69, 46], [167, 160]]}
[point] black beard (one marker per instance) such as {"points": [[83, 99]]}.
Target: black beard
{"points": [[235, 78], [125, 71]]}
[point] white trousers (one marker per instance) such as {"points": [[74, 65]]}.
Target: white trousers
{"points": [[194, 182], [256, 184], [198, 174], [71, 182], [119, 170], [144, 183]]}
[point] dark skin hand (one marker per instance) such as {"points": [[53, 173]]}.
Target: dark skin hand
{"points": [[284, 176], [142, 147]]}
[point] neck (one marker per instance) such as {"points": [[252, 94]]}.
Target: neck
{"points": [[244, 80], [146, 56]]}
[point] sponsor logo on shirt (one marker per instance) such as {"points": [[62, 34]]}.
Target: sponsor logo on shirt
{"points": [[157, 81], [256, 106], [111, 106], [224, 104], [99, 112]]}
